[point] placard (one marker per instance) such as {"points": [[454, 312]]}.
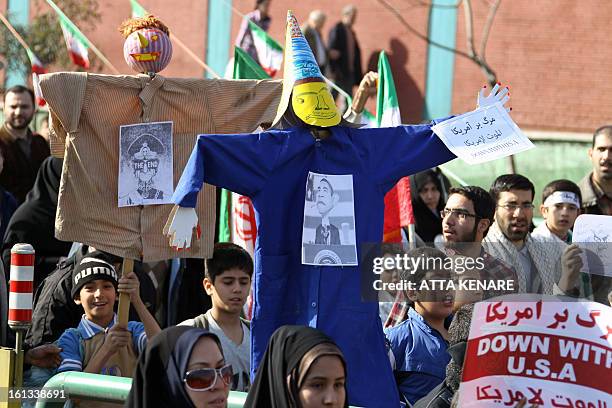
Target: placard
{"points": [[482, 135], [553, 353]]}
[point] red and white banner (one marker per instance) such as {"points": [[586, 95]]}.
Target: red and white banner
{"points": [[242, 219], [552, 353]]}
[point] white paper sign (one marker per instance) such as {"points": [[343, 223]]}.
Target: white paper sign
{"points": [[482, 135], [145, 164], [593, 233], [328, 234], [552, 353]]}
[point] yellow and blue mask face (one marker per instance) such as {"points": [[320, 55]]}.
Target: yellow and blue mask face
{"points": [[303, 84]]}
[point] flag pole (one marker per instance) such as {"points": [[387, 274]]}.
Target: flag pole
{"points": [[180, 43], [14, 32], [96, 51], [192, 55]]}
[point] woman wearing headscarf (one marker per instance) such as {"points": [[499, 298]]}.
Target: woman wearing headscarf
{"points": [[181, 367], [34, 222], [428, 199], [301, 368]]}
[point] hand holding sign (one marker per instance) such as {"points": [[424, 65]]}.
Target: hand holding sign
{"points": [[180, 225], [495, 96], [484, 134]]}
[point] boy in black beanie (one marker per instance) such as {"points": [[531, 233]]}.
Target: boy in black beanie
{"points": [[98, 345]]}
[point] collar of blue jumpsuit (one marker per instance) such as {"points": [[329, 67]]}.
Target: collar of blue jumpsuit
{"points": [[87, 329]]}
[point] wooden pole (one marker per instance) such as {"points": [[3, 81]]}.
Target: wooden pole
{"points": [[123, 310], [14, 32]]}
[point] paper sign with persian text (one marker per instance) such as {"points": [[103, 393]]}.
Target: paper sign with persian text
{"points": [[482, 135], [593, 234], [552, 353]]}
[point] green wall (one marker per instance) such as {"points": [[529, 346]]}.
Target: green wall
{"points": [[218, 35], [18, 15], [440, 62]]}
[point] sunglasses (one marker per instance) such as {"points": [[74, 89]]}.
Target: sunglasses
{"points": [[203, 379]]}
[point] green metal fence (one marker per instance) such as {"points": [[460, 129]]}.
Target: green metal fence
{"points": [[77, 385]]}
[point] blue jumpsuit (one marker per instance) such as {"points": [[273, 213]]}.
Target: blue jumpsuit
{"points": [[272, 169]]}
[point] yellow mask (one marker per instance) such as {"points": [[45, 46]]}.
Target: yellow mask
{"points": [[312, 102]]}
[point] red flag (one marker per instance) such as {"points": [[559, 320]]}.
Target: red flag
{"points": [[398, 211], [37, 66]]}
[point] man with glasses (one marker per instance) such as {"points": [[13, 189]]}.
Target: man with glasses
{"points": [[466, 218], [538, 265]]}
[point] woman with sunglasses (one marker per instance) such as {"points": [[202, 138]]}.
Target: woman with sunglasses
{"points": [[301, 368], [181, 367]]}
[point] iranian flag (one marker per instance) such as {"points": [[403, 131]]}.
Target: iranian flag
{"points": [[40, 101], [236, 212], [76, 42], [398, 204], [269, 52], [37, 66]]}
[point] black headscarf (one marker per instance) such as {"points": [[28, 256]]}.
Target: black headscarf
{"points": [[34, 221], [158, 379], [286, 349], [428, 223]]}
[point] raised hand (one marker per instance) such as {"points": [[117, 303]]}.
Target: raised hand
{"points": [[497, 94]]}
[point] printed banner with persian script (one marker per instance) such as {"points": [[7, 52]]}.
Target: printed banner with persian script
{"points": [[549, 352]]}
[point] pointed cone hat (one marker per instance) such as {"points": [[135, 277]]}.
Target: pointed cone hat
{"points": [[303, 83]]}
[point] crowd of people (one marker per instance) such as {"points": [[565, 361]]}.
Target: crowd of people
{"points": [[188, 341]]}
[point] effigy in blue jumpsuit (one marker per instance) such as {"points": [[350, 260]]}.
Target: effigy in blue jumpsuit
{"points": [[272, 168]]}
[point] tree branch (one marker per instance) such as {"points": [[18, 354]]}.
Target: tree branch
{"points": [[471, 54], [418, 34], [469, 28], [487, 27]]}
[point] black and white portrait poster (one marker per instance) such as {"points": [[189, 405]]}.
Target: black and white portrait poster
{"points": [[145, 164], [328, 234]]}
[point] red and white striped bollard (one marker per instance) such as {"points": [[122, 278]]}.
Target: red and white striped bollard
{"points": [[21, 287]]}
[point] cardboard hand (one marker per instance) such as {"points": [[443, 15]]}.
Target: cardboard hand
{"points": [[180, 225], [495, 96]]}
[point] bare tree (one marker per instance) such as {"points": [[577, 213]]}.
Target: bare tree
{"points": [[476, 55], [472, 53]]}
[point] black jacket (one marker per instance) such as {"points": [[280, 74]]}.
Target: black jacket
{"points": [[340, 67], [53, 309]]}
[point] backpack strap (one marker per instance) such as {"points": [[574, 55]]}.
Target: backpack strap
{"points": [[201, 322], [246, 322]]}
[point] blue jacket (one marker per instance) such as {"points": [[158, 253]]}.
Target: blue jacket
{"points": [[420, 356], [272, 169]]}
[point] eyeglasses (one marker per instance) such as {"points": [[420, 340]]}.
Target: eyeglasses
{"points": [[513, 207], [460, 214], [203, 379]]}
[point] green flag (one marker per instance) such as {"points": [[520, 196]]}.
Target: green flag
{"points": [[245, 67], [269, 52], [387, 106]]}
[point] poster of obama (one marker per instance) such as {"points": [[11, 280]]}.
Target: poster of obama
{"points": [[328, 235], [145, 165]]}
